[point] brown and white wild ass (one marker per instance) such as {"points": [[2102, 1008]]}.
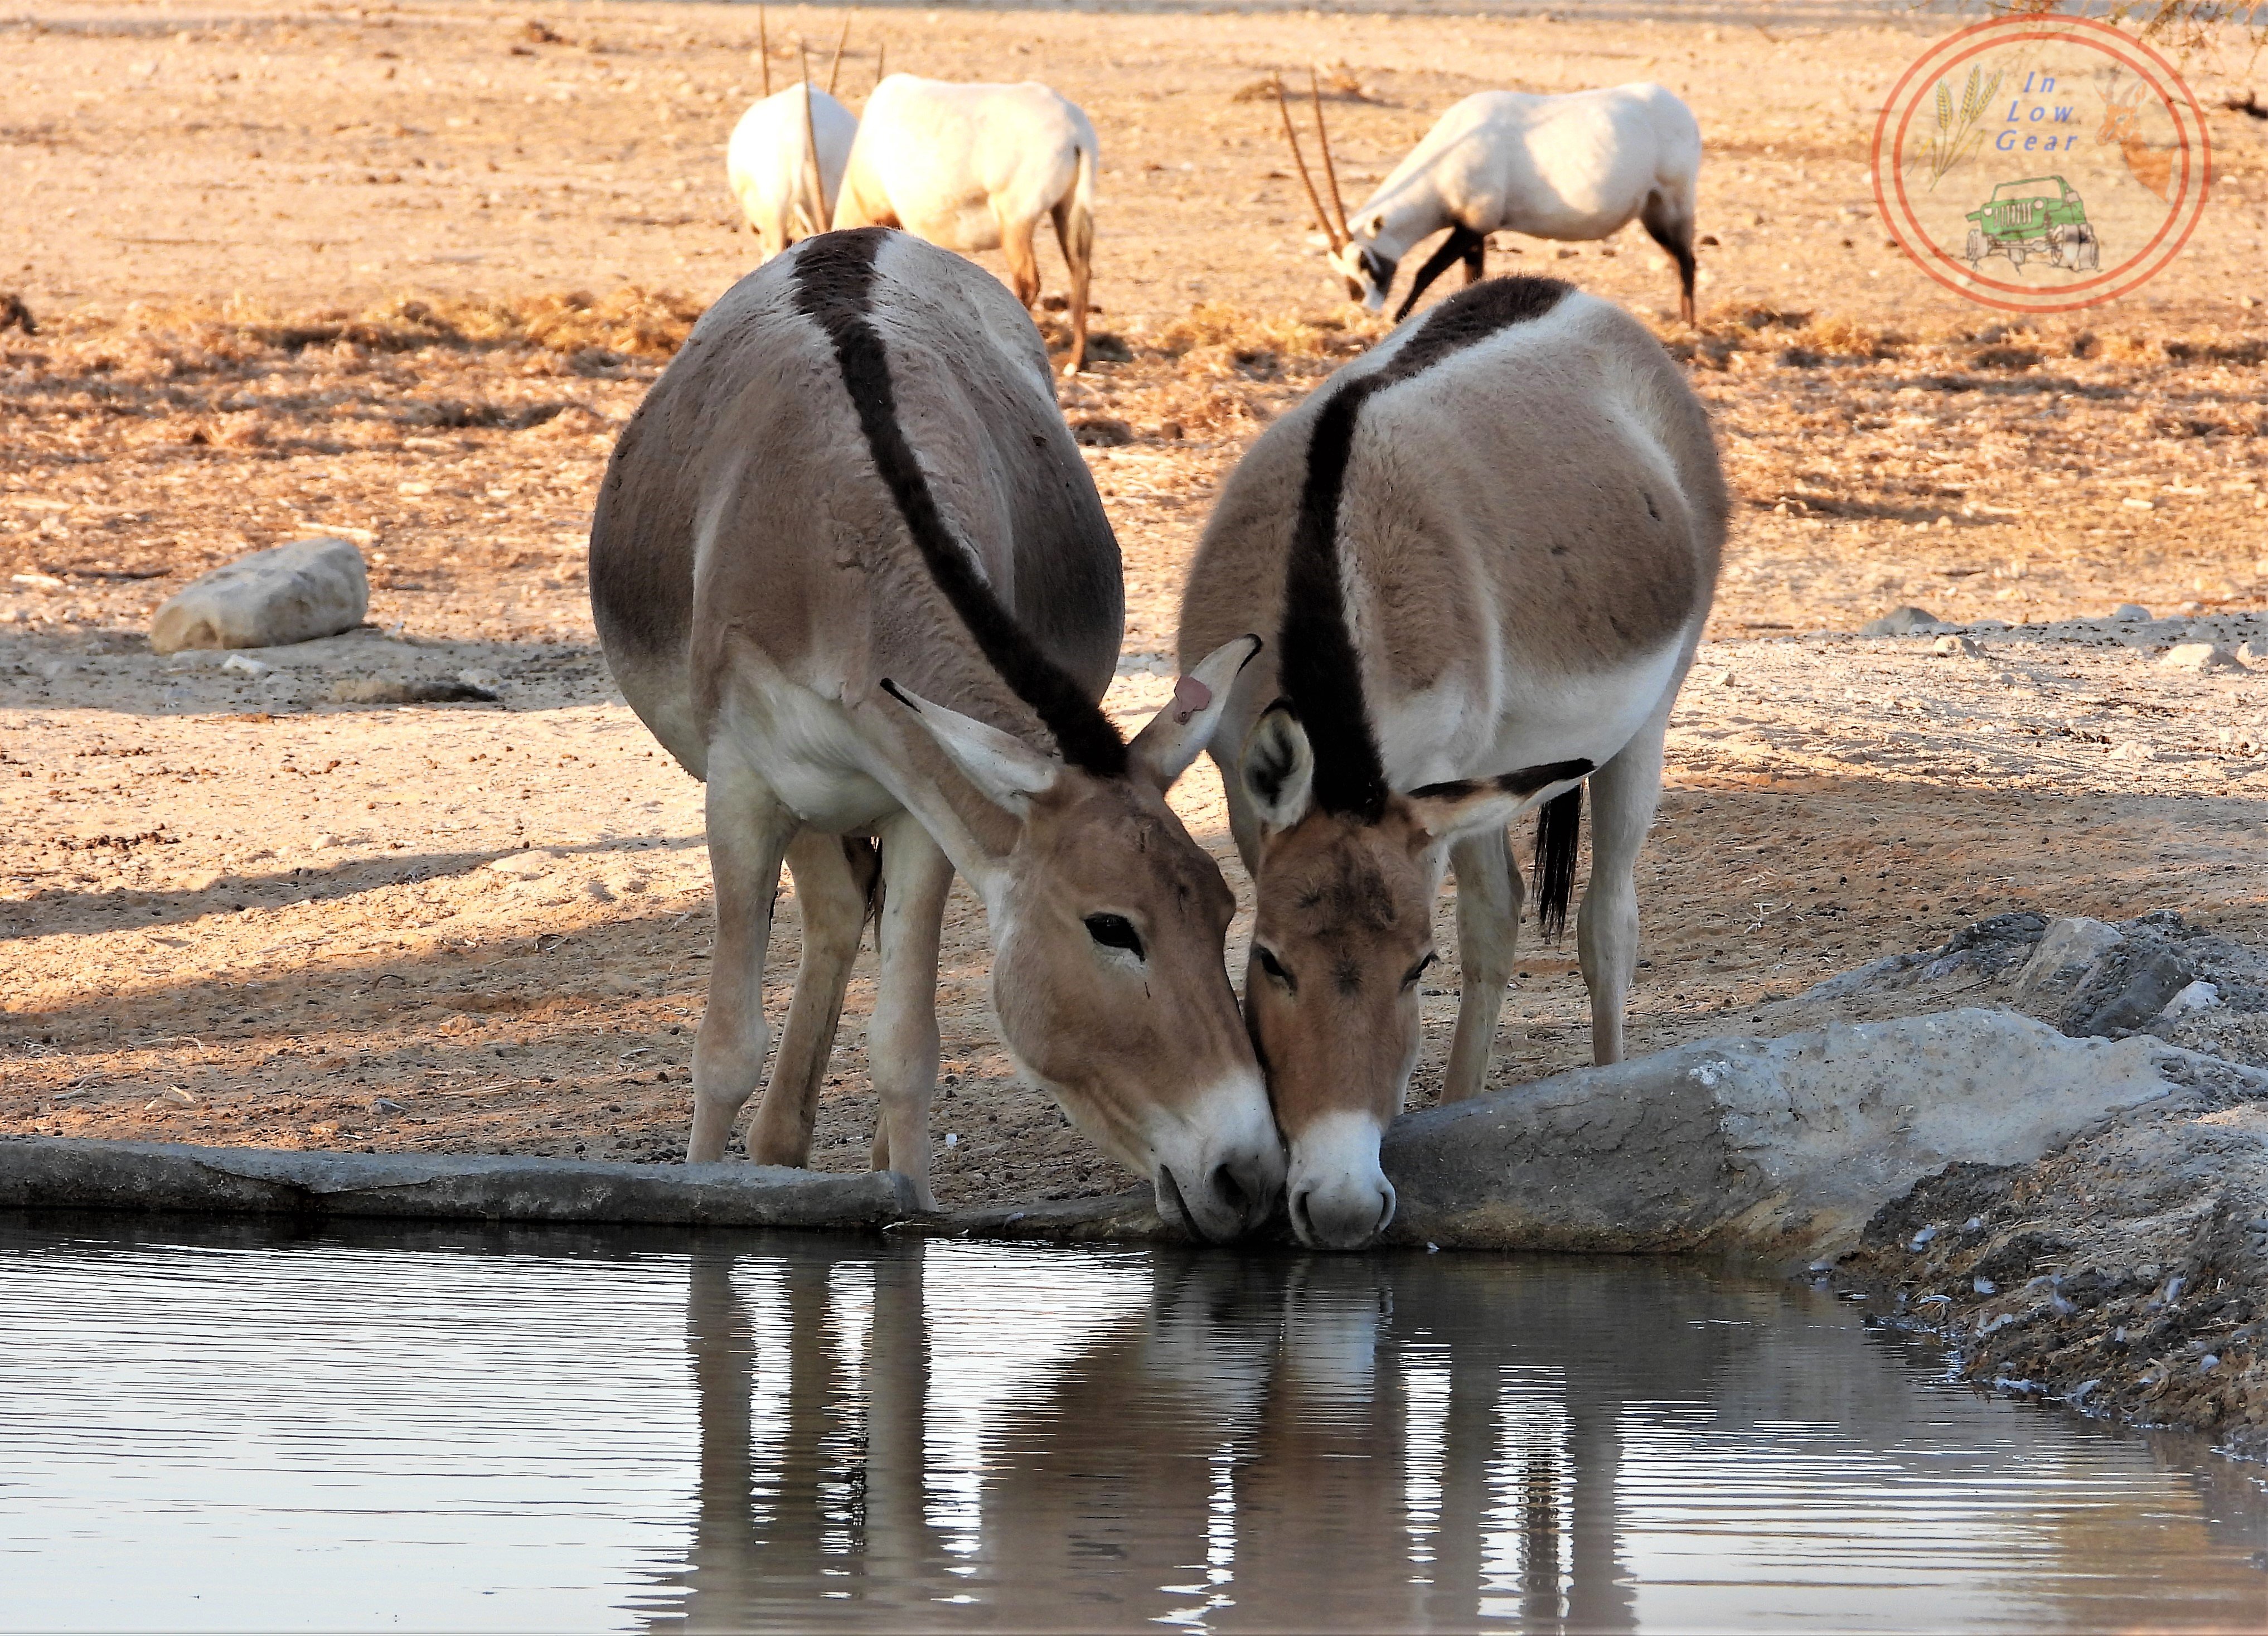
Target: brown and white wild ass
{"points": [[1490, 545], [849, 567]]}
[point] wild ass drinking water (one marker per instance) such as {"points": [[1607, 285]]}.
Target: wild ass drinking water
{"points": [[849, 567], [1580, 165], [1489, 546], [974, 167]]}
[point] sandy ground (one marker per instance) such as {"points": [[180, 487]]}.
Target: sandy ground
{"points": [[400, 272]]}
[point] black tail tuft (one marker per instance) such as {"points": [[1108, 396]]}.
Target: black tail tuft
{"points": [[1558, 833]]}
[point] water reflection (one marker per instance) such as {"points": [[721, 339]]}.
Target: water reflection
{"points": [[1219, 1443], [217, 1427]]}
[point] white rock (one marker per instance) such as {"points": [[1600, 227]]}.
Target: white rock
{"points": [[2199, 996], [485, 679], [2126, 611], [245, 665], [292, 593], [2200, 657], [1959, 646], [2067, 948], [2255, 647]]}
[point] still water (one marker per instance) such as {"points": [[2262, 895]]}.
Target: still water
{"points": [[403, 1428]]}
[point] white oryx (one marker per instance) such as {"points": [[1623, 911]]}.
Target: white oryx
{"points": [[849, 568], [1489, 546], [769, 165], [974, 168], [1579, 166]]}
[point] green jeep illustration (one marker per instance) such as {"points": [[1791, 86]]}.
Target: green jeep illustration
{"points": [[2039, 216]]}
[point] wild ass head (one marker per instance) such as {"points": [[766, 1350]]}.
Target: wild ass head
{"points": [[1368, 274], [1110, 924], [1349, 868]]}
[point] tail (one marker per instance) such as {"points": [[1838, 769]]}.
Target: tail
{"points": [[1558, 833]]}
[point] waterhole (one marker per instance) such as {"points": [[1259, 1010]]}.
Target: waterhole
{"points": [[401, 1428]]}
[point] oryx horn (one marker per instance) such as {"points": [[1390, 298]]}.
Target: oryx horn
{"points": [[834, 69], [811, 138], [1324, 141], [1290, 135]]}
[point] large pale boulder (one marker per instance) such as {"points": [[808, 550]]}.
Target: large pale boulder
{"points": [[292, 593], [1780, 1148]]}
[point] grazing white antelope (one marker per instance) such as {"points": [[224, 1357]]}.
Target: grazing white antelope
{"points": [[1580, 165], [974, 168], [849, 567], [1489, 546], [769, 164]]}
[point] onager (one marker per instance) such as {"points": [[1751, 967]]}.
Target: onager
{"points": [[1489, 547], [1576, 166], [769, 164], [974, 167], [848, 566]]}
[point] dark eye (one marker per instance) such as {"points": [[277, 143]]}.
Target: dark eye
{"points": [[1418, 970], [1272, 966], [1114, 932]]}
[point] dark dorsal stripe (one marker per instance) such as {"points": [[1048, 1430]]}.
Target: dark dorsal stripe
{"points": [[1323, 676], [834, 279]]}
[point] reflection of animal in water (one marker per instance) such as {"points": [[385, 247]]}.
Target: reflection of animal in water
{"points": [[2122, 123]]}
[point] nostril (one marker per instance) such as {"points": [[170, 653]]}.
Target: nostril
{"points": [[1301, 1224], [1230, 1192]]}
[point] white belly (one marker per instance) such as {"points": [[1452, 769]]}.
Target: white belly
{"points": [[1529, 720], [808, 750]]}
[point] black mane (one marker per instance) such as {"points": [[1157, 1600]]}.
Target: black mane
{"points": [[835, 279], [1322, 673]]}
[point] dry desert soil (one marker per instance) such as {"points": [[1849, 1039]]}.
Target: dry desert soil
{"points": [[399, 272]]}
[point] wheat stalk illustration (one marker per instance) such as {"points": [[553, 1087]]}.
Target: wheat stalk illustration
{"points": [[1957, 136]]}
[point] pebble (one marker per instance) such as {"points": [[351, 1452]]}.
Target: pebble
{"points": [[2131, 610], [245, 665], [1958, 645], [386, 1104]]}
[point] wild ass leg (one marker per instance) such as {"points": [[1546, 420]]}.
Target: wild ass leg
{"points": [[1623, 795], [834, 877], [1463, 245], [901, 1041], [1489, 894], [1476, 260], [748, 836], [1669, 223]]}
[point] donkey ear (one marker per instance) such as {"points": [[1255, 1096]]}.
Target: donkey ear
{"points": [[1005, 769], [1279, 768], [1178, 734], [1447, 809]]}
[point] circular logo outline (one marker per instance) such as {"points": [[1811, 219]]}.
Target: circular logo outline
{"points": [[2192, 141]]}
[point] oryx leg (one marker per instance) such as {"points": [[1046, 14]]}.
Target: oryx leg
{"points": [[1075, 235], [1463, 245], [902, 1041], [1623, 795], [834, 881], [1489, 894], [1023, 261], [748, 836], [1669, 223]]}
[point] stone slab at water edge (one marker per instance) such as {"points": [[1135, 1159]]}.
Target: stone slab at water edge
{"points": [[65, 1175], [1782, 1149], [290, 593]]}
